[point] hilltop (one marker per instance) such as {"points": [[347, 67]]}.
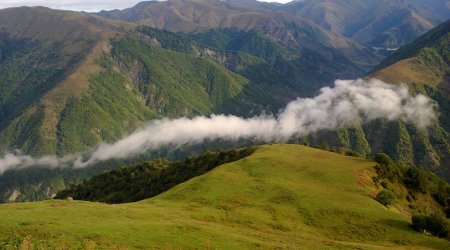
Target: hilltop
{"points": [[280, 196]]}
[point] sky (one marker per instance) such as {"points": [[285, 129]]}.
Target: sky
{"points": [[85, 5]]}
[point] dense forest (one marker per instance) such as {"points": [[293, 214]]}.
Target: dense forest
{"points": [[148, 179]]}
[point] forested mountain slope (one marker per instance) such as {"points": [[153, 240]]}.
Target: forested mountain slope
{"points": [[61, 100], [94, 80], [63, 93], [424, 66], [376, 23], [281, 26], [73, 80]]}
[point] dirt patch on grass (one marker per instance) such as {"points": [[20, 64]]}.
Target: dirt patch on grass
{"points": [[365, 177]]}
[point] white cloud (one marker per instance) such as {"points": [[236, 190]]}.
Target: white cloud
{"points": [[335, 107]]}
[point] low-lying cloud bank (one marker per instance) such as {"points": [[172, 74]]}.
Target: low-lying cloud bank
{"points": [[335, 107]]}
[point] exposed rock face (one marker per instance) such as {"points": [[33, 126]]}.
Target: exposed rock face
{"points": [[14, 195]]}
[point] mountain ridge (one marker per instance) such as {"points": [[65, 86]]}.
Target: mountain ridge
{"points": [[378, 23]]}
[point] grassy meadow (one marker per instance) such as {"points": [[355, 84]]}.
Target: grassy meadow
{"points": [[282, 196]]}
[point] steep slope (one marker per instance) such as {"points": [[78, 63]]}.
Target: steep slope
{"points": [[424, 66], [282, 196], [95, 80], [61, 71], [283, 71], [378, 23], [203, 15], [47, 59]]}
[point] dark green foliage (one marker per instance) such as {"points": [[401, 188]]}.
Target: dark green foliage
{"points": [[442, 192], [168, 40], [108, 112], [148, 179], [295, 67], [174, 83], [436, 225], [384, 159], [416, 179], [386, 168], [386, 197], [251, 42], [28, 69], [353, 153]]}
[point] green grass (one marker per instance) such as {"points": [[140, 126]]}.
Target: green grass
{"points": [[282, 196]]}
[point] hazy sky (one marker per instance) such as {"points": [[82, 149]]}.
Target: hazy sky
{"points": [[86, 5]]}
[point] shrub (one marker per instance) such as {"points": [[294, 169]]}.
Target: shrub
{"points": [[416, 179], [349, 152], [386, 197], [382, 158], [391, 172], [436, 225]]}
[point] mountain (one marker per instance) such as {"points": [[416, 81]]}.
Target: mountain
{"points": [[254, 203], [374, 23], [73, 80], [96, 80], [203, 15], [424, 66], [58, 87], [90, 82], [47, 59]]}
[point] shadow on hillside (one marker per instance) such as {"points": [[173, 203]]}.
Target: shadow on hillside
{"points": [[397, 224]]}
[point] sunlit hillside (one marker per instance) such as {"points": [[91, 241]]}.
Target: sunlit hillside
{"points": [[282, 196]]}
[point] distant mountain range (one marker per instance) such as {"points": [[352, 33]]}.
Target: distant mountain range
{"points": [[70, 80], [372, 23], [375, 23]]}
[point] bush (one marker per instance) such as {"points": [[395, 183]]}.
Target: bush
{"points": [[353, 153], [386, 197], [416, 179], [382, 158], [390, 172], [436, 225]]}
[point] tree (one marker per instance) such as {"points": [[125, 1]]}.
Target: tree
{"points": [[416, 179], [386, 197], [434, 224], [382, 158]]}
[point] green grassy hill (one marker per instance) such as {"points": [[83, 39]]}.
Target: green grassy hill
{"points": [[281, 196]]}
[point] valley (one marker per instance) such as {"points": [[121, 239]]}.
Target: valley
{"points": [[225, 124]]}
